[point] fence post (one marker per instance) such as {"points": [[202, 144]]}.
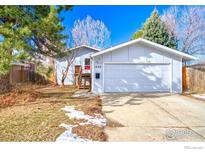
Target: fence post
{"points": [[184, 78]]}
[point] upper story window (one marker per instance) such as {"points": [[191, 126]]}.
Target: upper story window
{"points": [[87, 64], [87, 61]]}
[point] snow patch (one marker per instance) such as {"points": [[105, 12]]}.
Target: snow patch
{"points": [[75, 114], [69, 136], [201, 96]]}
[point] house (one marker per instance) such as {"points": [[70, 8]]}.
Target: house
{"points": [[138, 66], [82, 62], [135, 66]]}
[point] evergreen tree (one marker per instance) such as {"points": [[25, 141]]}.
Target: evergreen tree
{"points": [[33, 29], [155, 30], [137, 34]]}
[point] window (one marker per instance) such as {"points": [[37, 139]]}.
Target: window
{"points": [[87, 63], [97, 75]]}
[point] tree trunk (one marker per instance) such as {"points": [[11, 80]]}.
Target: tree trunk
{"points": [[62, 83], [54, 72], [65, 74]]}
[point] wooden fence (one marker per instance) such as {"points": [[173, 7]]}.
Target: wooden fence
{"points": [[19, 74], [22, 73], [194, 78], [4, 83]]}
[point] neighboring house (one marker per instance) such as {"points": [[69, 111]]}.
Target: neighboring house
{"points": [[135, 66], [138, 66], [45, 60], [82, 56], [45, 67]]}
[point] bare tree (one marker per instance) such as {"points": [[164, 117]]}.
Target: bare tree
{"points": [[170, 19], [90, 32], [69, 61], [188, 26]]}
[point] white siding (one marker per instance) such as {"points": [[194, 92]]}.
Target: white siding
{"points": [[98, 68], [123, 56], [177, 75], [138, 53]]}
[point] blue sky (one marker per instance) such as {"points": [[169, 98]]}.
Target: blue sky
{"points": [[122, 21]]}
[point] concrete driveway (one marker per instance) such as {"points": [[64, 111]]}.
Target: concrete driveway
{"points": [[154, 117]]}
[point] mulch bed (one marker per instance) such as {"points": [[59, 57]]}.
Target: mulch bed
{"points": [[91, 132]]}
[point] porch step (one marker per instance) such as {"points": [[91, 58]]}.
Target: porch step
{"points": [[82, 80], [87, 87]]}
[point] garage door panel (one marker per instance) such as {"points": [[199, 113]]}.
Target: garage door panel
{"points": [[133, 89], [136, 78]]}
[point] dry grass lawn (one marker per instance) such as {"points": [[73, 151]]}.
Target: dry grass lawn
{"points": [[33, 113]]}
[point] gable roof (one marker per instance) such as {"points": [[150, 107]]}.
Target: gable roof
{"points": [[85, 46], [150, 43]]}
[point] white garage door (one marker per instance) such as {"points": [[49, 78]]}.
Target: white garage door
{"points": [[136, 78]]}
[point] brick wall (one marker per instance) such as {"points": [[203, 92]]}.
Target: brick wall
{"points": [[4, 83]]}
